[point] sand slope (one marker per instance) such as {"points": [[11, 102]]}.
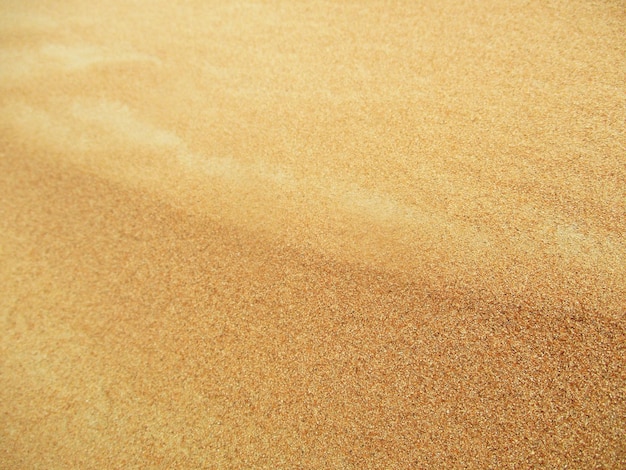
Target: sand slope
{"points": [[312, 235]]}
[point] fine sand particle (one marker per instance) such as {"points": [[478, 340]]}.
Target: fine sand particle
{"points": [[318, 234]]}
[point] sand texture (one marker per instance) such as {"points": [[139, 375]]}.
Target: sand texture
{"points": [[312, 234]]}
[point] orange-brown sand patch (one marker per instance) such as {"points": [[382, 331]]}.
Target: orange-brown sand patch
{"points": [[274, 234]]}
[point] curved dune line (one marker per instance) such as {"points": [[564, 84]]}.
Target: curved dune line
{"points": [[344, 218]]}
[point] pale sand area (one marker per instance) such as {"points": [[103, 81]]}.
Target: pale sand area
{"points": [[312, 234]]}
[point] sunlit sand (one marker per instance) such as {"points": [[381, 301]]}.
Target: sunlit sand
{"points": [[312, 234]]}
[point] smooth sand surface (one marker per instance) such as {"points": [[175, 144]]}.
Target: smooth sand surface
{"points": [[263, 234]]}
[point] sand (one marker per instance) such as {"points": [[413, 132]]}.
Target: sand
{"points": [[264, 234]]}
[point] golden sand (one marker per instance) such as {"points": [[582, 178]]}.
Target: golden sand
{"points": [[263, 234]]}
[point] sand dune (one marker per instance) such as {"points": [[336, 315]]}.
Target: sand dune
{"points": [[312, 235]]}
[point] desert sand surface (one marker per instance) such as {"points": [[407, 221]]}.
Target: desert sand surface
{"points": [[324, 234]]}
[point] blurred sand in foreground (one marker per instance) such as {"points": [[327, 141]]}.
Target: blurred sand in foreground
{"points": [[264, 234]]}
